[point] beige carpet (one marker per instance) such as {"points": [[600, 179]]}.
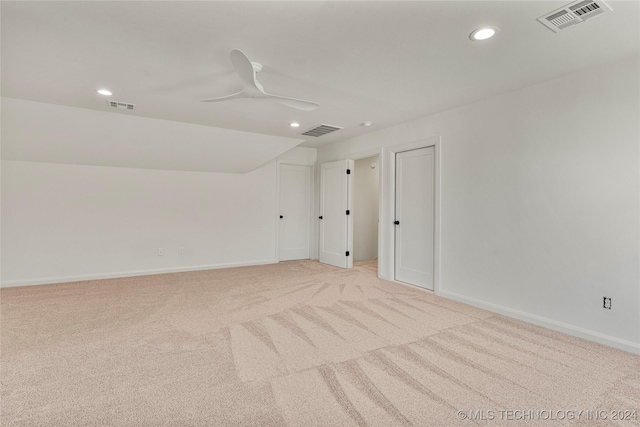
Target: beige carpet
{"points": [[297, 343]]}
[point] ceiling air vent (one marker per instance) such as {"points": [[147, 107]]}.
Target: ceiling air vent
{"points": [[321, 130], [573, 13], [122, 105]]}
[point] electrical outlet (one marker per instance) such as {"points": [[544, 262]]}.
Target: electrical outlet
{"points": [[181, 250], [160, 251], [606, 303]]}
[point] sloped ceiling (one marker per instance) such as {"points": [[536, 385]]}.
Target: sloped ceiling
{"points": [[388, 62], [39, 132]]}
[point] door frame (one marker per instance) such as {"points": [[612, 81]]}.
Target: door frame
{"points": [[312, 186], [387, 226], [363, 155]]}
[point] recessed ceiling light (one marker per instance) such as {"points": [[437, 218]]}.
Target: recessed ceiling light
{"points": [[367, 124], [294, 125], [483, 33], [104, 92]]}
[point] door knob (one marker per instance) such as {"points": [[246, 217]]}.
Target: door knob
{"points": [[396, 222], [281, 217], [320, 217]]}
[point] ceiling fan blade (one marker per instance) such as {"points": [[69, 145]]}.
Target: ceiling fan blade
{"points": [[240, 94], [245, 70], [299, 104]]}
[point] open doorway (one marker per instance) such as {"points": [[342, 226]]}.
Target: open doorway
{"points": [[366, 196]]}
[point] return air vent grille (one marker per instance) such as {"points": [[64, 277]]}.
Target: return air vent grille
{"points": [[590, 6], [122, 105], [560, 18], [573, 13], [321, 130]]}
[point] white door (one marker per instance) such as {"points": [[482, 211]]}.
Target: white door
{"points": [[295, 212], [414, 217], [335, 221]]}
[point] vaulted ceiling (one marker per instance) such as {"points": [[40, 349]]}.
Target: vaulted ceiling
{"points": [[387, 62]]}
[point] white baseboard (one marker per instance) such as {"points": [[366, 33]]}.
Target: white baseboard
{"points": [[565, 328], [65, 279]]}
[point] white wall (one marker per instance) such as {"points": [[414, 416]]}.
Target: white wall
{"points": [[300, 154], [65, 222], [365, 209], [540, 201], [71, 222]]}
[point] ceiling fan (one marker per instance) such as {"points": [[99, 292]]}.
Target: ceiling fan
{"points": [[247, 71]]}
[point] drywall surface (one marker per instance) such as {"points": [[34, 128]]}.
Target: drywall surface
{"points": [[300, 154], [540, 200], [72, 222], [365, 209], [39, 132]]}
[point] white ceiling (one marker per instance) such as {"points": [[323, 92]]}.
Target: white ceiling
{"points": [[387, 62], [90, 137]]}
